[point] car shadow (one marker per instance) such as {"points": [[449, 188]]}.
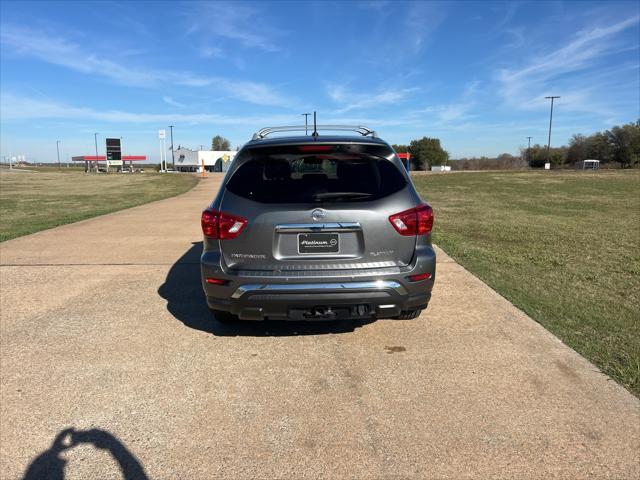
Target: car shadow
{"points": [[50, 464], [186, 302]]}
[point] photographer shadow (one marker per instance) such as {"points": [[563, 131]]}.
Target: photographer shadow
{"points": [[50, 464], [186, 302]]}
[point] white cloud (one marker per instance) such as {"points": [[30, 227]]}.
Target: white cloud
{"points": [[253, 92], [59, 51], [454, 112], [354, 101], [14, 107], [170, 101], [17, 107], [449, 115], [211, 51], [459, 111], [421, 21], [233, 21], [399, 32], [510, 12], [525, 87]]}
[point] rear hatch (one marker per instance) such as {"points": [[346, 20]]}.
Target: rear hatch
{"points": [[317, 210]]}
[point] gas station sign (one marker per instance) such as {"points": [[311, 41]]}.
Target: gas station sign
{"points": [[114, 152]]}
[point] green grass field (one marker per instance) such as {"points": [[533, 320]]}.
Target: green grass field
{"points": [[46, 198], [562, 246]]}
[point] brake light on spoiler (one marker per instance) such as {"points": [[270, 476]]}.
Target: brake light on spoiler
{"points": [[316, 148], [415, 221], [221, 225]]}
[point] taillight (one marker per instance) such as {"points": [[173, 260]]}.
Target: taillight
{"points": [[415, 221], [209, 222], [221, 225]]}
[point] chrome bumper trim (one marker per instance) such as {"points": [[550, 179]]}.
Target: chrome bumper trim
{"points": [[319, 227], [311, 287]]}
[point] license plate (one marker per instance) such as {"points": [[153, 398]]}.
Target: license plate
{"points": [[318, 243]]}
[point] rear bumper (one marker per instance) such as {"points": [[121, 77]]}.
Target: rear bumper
{"points": [[318, 298], [320, 301]]}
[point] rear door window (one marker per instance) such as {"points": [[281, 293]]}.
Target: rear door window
{"points": [[315, 178]]}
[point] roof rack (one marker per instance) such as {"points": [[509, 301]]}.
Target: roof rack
{"points": [[364, 131]]}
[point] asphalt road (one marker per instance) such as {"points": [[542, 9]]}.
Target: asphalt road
{"points": [[104, 331]]}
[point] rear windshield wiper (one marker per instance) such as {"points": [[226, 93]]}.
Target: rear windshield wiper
{"points": [[335, 195]]}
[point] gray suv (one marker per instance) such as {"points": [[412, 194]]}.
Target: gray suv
{"points": [[317, 228]]}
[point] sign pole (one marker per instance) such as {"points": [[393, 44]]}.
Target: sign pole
{"points": [[164, 152], [163, 162]]}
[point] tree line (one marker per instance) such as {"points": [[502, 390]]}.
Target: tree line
{"points": [[425, 153], [504, 161], [621, 145]]}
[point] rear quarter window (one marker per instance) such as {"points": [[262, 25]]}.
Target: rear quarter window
{"points": [[315, 178]]}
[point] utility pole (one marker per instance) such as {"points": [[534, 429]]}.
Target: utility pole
{"points": [[173, 158], [529, 150], [553, 97], [306, 124], [58, 150], [122, 164], [95, 138]]}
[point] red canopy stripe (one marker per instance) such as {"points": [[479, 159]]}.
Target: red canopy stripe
{"points": [[102, 158]]}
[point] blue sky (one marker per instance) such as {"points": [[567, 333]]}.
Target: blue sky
{"points": [[470, 73]]}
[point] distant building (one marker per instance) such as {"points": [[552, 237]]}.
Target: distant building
{"points": [[406, 159], [588, 164], [440, 168], [188, 160]]}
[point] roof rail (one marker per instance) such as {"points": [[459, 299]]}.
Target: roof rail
{"points": [[264, 132]]}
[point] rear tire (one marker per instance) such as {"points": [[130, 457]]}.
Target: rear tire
{"points": [[409, 314], [224, 317]]}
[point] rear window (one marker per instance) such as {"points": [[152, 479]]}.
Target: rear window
{"points": [[316, 178]]}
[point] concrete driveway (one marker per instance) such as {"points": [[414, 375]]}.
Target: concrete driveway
{"points": [[111, 367]]}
